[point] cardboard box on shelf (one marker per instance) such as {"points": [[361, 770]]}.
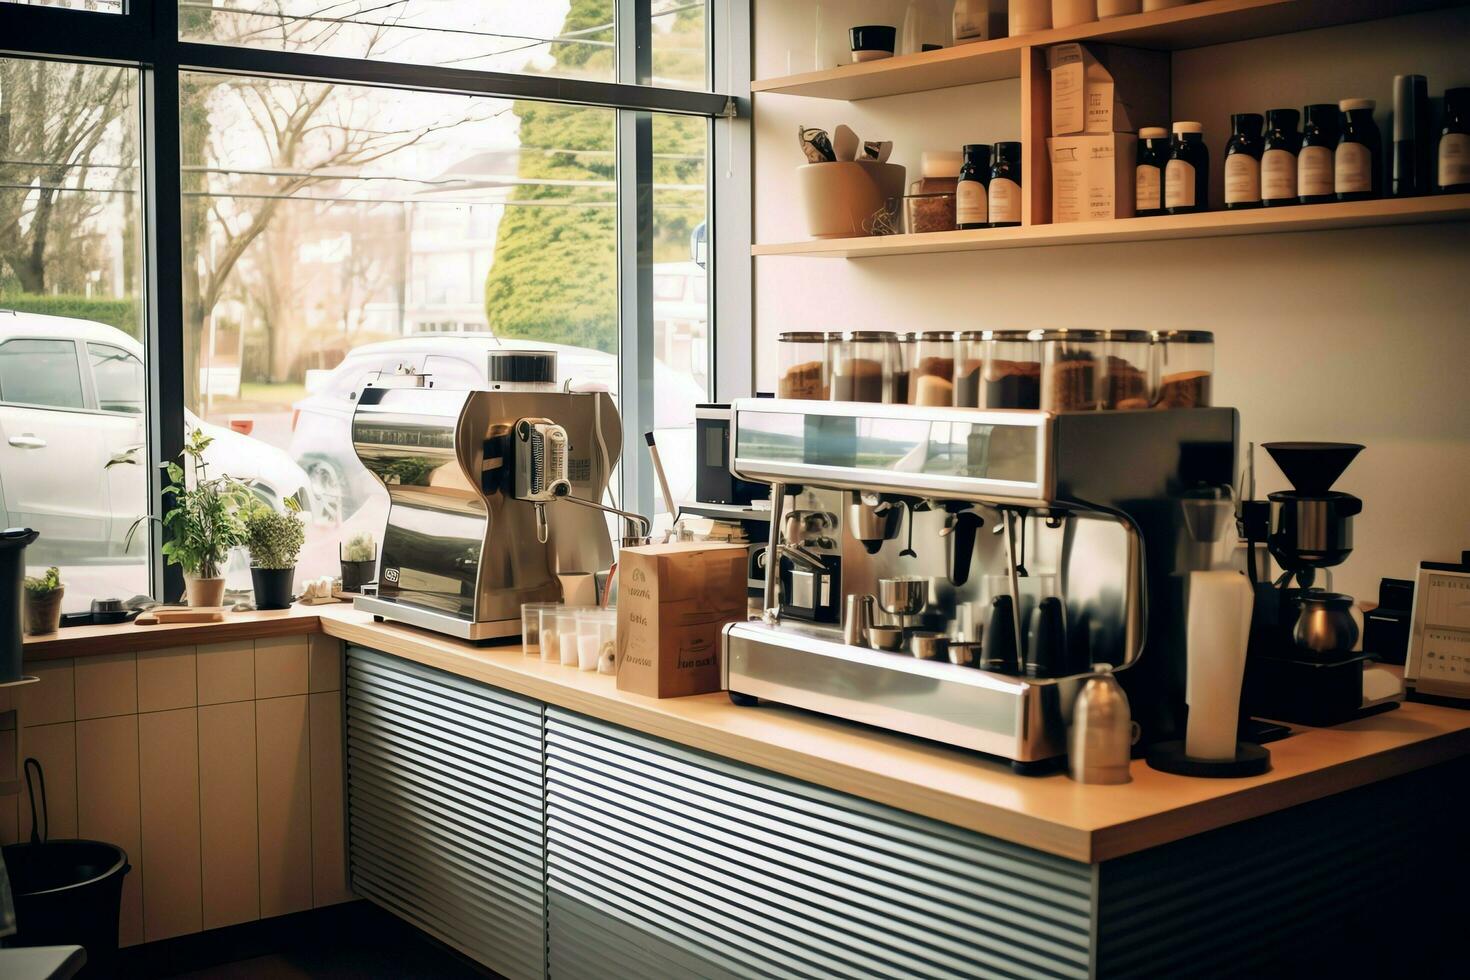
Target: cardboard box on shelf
{"points": [[673, 602], [1099, 89], [1092, 177]]}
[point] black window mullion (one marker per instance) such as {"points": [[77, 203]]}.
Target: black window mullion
{"points": [[164, 256]]}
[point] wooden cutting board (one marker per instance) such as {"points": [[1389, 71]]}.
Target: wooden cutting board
{"points": [[192, 614]]}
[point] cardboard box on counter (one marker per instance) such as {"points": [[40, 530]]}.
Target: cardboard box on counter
{"points": [[673, 601], [1092, 177], [1099, 89]]}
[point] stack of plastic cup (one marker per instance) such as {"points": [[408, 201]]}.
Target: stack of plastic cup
{"points": [[531, 626], [595, 627]]}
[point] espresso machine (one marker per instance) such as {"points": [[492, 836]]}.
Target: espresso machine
{"points": [[492, 493], [954, 573], [1301, 666]]}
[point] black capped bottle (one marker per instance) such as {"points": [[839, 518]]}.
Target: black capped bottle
{"points": [[972, 208], [1278, 157], [1314, 164], [1358, 160], [1454, 143], [1148, 173], [1411, 156], [1004, 191], [1187, 173], [1243, 161]]}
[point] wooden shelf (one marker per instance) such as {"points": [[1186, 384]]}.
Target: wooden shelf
{"points": [[1214, 224], [1191, 26]]}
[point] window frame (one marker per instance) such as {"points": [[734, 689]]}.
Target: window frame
{"points": [[145, 36]]}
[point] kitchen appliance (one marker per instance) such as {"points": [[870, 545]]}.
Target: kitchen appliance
{"points": [[1301, 666], [13, 543], [713, 482], [1082, 508], [492, 494]]}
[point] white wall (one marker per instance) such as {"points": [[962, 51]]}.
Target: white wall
{"points": [[1355, 335]]}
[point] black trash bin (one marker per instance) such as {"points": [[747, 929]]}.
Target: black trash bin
{"points": [[67, 893]]}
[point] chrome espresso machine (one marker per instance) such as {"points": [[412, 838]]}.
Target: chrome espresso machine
{"points": [[955, 573], [492, 493]]}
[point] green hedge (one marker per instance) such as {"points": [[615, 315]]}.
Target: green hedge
{"points": [[120, 313]]}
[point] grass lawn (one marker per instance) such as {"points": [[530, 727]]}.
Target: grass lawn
{"points": [[265, 393]]}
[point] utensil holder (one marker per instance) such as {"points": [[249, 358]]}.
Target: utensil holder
{"points": [[847, 199]]}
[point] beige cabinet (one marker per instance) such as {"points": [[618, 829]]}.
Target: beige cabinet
{"points": [[217, 768]]}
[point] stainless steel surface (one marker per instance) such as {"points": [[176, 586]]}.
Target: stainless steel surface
{"points": [[1014, 717], [905, 595], [872, 519], [1101, 739], [964, 653], [1325, 624], [413, 615], [772, 612], [857, 616], [929, 645], [459, 546], [1312, 532], [1108, 539], [886, 638]]}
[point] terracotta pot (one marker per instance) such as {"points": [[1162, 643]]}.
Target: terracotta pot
{"points": [[43, 615], [272, 587], [204, 591]]}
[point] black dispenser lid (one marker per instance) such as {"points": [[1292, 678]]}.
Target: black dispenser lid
{"points": [[1313, 467], [17, 537]]}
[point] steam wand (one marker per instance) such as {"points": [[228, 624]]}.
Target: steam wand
{"points": [[629, 540]]}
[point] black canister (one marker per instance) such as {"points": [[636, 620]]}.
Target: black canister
{"points": [[13, 542]]}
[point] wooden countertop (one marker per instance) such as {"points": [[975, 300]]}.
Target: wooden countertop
{"points": [[1049, 813]]}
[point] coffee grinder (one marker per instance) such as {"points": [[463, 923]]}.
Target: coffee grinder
{"points": [[1301, 666]]}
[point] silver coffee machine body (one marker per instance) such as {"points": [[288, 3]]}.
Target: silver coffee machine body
{"points": [[465, 545], [1070, 523]]}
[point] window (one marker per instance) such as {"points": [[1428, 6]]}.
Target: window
{"points": [[354, 181], [119, 379], [70, 285], [40, 372]]}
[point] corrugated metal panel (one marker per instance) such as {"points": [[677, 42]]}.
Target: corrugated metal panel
{"points": [[756, 874], [445, 809], [1302, 892]]}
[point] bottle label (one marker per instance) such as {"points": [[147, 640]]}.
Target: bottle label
{"points": [[1353, 172], [1454, 159], [1314, 171], [1179, 184], [1005, 200], [970, 207], [1146, 188], [1242, 179], [1278, 175]]}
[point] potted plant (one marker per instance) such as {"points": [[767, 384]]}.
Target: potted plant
{"points": [[274, 539], [204, 522], [43, 602], [359, 556]]}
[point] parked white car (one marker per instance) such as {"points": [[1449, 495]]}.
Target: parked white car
{"points": [[321, 440], [73, 437]]}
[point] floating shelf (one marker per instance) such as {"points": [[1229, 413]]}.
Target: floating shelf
{"points": [[1191, 26], [1212, 224]]}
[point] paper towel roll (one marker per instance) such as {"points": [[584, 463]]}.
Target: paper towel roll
{"points": [[1219, 627]]}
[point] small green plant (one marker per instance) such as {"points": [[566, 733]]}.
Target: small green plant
{"points": [[204, 522], [41, 586], [274, 538], [359, 547]]}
